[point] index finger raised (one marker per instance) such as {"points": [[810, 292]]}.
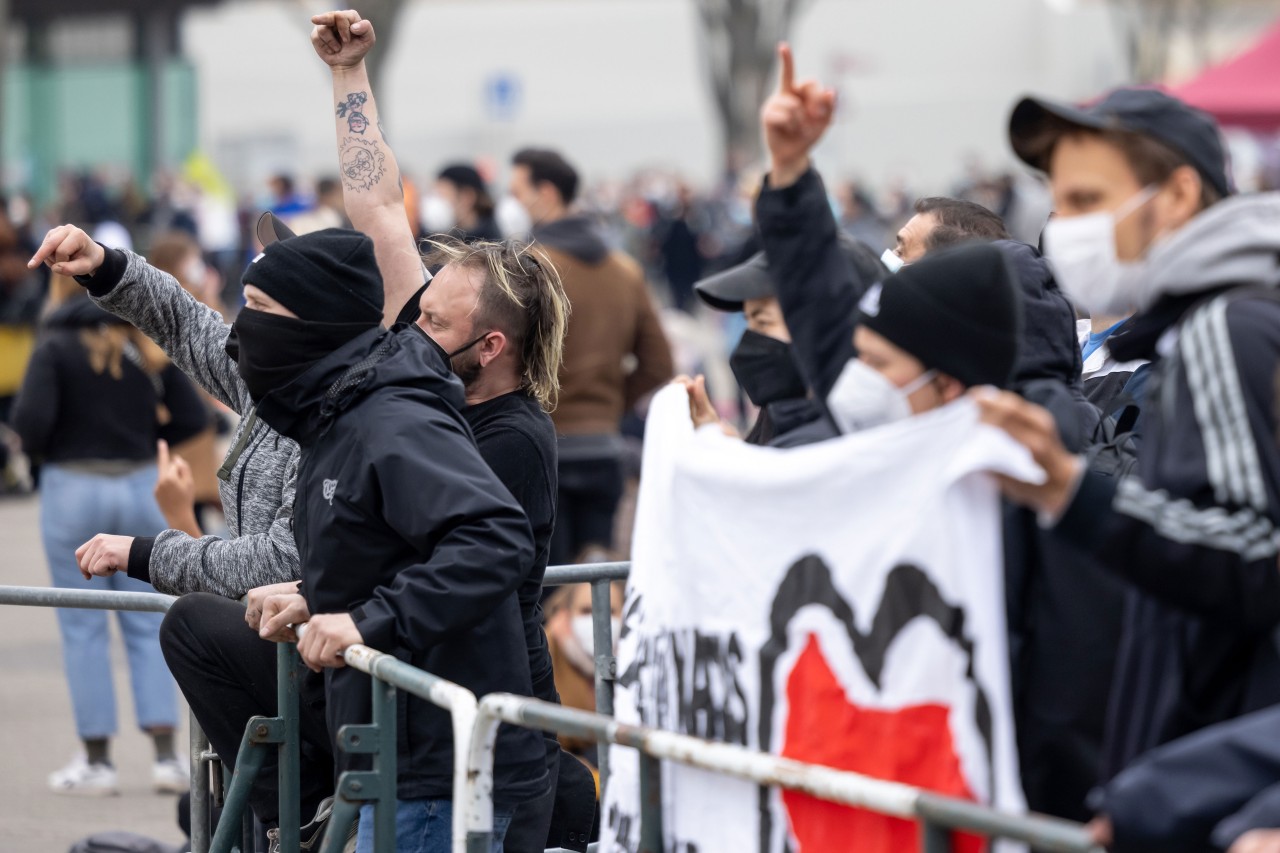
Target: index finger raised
{"points": [[787, 79], [51, 242], [162, 455]]}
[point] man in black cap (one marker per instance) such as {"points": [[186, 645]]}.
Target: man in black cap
{"points": [[1145, 223], [764, 362]]}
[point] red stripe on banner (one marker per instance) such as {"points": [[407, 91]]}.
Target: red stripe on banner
{"points": [[912, 745]]}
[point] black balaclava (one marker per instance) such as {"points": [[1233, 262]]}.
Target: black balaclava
{"points": [[330, 279]]}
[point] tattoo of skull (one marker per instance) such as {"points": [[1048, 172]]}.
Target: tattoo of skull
{"points": [[363, 163]]}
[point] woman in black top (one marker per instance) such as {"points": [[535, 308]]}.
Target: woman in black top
{"points": [[91, 409]]}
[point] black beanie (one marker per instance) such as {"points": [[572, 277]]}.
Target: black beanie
{"points": [[328, 276], [956, 310]]}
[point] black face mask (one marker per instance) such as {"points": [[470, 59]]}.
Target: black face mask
{"points": [[467, 373], [766, 369], [272, 351]]}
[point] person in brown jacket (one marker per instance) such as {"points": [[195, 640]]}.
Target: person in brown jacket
{"points": [[615, 351]]}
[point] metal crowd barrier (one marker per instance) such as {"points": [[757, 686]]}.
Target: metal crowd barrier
{"points": [[475, 726], [151, 602], [937, 815]]}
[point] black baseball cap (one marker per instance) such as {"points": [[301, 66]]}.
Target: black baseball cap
{"points": [[1148, 112], [728, 289]]}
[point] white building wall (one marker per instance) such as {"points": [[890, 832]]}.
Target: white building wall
{"points": [[618, 84]]}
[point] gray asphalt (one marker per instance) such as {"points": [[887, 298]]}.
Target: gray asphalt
{"points": [[37, 732]]}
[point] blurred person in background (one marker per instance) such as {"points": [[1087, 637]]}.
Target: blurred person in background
{"points": [[677, 237], [859, 217], [615, 351], [328, 211], [92, 409], [286, 201], [21, 292], [571, 638], [463, 190]]}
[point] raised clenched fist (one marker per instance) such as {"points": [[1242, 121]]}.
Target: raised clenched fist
{"points": [[342, 39]]}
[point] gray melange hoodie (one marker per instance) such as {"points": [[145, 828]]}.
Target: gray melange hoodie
{"points": [[1236, 241], [257, 497]]}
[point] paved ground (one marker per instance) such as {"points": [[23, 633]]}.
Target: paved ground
{"points": [[37, 734]]}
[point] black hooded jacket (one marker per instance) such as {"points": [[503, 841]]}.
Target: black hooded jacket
{"points": [[1064, 608], [400, 522]]}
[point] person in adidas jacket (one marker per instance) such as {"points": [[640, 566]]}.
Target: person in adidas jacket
{"points": [[1146, 223]]}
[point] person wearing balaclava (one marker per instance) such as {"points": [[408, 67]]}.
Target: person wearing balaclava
{"points": [[389, 481]]}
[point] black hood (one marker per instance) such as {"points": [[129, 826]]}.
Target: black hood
{"points": [[1049, 349], [80, 313], [1048, 369], [376, 359], [574, 235]]}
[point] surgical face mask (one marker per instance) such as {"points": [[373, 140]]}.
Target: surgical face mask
{"points": [[863, 397], [892, 260], [1082, 250], [584, 631]]}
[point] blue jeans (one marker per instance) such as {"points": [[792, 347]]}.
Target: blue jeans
{"points": [[426, 826], [74, 507]]}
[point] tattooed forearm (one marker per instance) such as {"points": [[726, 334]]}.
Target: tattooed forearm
{"points": [[352, 109], [363, 163]]}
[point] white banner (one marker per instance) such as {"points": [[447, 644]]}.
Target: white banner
{"points": [[840, 604]]}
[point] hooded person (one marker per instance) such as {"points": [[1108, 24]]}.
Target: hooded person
{"points": [[1146, 223], [615, 351], [378, 417]]}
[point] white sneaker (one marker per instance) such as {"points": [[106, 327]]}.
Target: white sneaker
{"points": [[82, 779], [171, 776]]}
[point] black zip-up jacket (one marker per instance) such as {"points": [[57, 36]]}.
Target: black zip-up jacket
{"points": [[400, 523]]}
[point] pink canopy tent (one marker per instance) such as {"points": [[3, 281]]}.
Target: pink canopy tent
{"points": [[1243, 91]]}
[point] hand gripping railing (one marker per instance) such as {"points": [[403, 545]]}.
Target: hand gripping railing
{"points": [[151, 602], [938, 815], [379, 785]]}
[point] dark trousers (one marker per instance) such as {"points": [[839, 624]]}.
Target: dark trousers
{"points": [[228, 674], [531, 824], [587, 500]]}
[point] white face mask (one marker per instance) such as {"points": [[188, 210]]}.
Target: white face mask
{"points": [[863, 398], [1082, 250], [584, 631], [892, 260]]}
